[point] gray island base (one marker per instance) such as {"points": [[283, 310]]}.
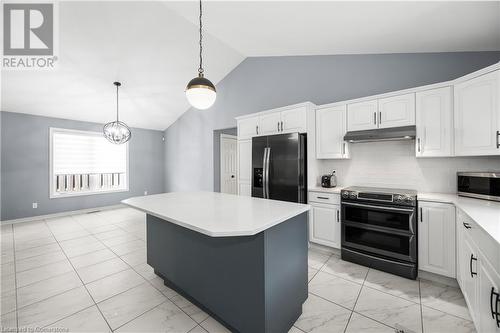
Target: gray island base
{"points": [[250, 284]]}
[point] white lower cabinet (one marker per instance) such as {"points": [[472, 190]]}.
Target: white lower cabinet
{"points": [[478, 278], [324, 220], [436, 238]]}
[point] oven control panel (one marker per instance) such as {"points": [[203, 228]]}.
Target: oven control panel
{"points": [[381, 197]]}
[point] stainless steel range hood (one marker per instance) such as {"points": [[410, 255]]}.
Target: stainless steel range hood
{"points": [[382, 134]]}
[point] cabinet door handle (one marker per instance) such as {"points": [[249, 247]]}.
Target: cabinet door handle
{"points": [[374, 118], [470, 265], [497, 295], [338, 216], [466, 225], [257, 129], [343, 148], [278, 126], [380, 117], [498, 139], [421, 215], [418, 144]]}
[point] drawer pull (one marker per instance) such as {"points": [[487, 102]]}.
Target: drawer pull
{"points": [[338, 216], [470, 264], [467, 225], [494, 312], [324, 198]]}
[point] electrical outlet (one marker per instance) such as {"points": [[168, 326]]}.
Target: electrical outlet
{"points": [[145, 192], [35, 205]]}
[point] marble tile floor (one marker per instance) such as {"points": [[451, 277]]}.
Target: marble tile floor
{"points": [[88, 273]]}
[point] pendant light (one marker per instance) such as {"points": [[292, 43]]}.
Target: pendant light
{"points": [[200, 92], [117, 132]]}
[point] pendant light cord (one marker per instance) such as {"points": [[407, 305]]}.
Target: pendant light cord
{"points": [[200, 70], [117, 103]]}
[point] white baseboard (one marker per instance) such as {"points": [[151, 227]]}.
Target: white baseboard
{"points": [[68, 213], [437, 278]]}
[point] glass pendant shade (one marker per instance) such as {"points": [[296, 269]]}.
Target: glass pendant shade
{"points": [[201, 93], [117, 132]]}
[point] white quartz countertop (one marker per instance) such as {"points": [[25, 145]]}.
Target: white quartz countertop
{"points": [[485, 213], [217, 214], [335, 189]]}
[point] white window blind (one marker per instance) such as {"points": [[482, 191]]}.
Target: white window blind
{"points": [[85, 162]]}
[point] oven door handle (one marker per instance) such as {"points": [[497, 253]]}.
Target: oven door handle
{"points": [[406, 210]]}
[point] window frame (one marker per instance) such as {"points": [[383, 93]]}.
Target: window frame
{"points": [[52, 193]]}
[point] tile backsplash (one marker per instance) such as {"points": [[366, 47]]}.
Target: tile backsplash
{"points": [[393, 164]]}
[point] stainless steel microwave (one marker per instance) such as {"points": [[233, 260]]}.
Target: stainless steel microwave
{"points": [[481, 185]]}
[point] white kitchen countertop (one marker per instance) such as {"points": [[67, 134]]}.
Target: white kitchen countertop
{"points": [[217, 214], [485, 213], [335, 189]]}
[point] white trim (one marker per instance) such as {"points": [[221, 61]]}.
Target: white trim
{"points": [[68, 213], [52, 194], [228, 136]]}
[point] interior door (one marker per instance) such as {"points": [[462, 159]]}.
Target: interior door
{"points": [[228, 164], [284, 167]]}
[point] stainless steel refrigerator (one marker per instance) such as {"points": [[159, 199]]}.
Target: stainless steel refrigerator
{"points": [[279, 168]]}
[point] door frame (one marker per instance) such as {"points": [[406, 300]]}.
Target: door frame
{"points": [[221, 158]]}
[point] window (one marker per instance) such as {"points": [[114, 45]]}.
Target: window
{"points": [[83, 163]]}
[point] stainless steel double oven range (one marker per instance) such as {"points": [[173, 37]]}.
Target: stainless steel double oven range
{"points": [[379, 229]]}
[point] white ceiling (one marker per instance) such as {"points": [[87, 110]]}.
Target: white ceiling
{"points": [[152, 51], [152, 48], [276, 28]]}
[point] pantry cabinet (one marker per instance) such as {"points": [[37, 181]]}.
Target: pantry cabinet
{"points": [[434, 119], [324, 219], [436, 238], [477, 115], [331, 126]]}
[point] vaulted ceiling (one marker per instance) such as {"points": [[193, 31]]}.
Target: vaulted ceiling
{"points": [[152, 48]]}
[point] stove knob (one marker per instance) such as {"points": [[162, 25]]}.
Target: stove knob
{"points": [[345, 195], [398, 198], [352, 195], [409, 199]]}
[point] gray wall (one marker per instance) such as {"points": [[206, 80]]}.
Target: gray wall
{"points": [[268, 82], [216, 154], [25, 166]]}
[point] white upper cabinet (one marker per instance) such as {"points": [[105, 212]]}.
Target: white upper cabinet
{"points": [[248, 127], [387, 112], [434, 119], [270, 123], [477, 116], [436, 238], [283, 120], [331, 126], [396, 111], [362, 116], [294, 120]]}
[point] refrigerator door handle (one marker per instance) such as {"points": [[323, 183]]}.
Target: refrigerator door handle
{"points": [[267, 172], [264, 161]]}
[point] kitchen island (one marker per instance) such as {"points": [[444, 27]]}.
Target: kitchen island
{"points": [[243, 260]]}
